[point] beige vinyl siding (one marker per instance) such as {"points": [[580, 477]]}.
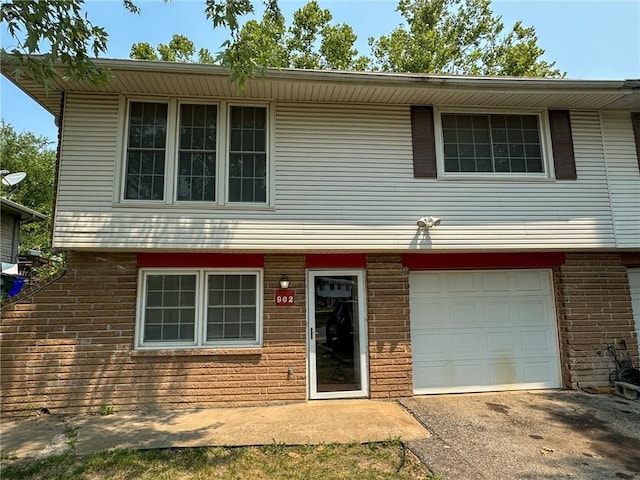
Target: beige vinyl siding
{"points": [[623, 177], [8, 235], [344, 180], [89, 143]]}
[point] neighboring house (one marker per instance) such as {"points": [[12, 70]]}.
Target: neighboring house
{"points": [[184, 202], [14, 215]]}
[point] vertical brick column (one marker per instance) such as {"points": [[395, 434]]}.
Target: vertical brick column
{"points": [[285, 341], [389, 330], [594, 310]]}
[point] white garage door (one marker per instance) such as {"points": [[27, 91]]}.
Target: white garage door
{"points": [[483, 331], [634, 283]]}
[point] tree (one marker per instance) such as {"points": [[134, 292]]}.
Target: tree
{"points": [[51, 33], [179, 49], [439, 36], [459, 37], [310, 42], [57, 30], [25, 152]]}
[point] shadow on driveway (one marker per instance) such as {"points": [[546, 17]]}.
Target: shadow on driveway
{"points": [[529, 435]]}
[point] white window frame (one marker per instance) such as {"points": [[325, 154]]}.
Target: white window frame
{"points": [[171, 156], [545, 145], [200, 326]]}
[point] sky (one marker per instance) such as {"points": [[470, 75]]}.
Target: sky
{"points": [[588, 39]]}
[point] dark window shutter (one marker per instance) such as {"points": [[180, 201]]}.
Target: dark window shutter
{"points": [[562, 144], [423, 139], [635, 121]]}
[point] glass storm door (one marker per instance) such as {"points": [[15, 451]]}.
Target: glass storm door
{"points": [[337, 334]]}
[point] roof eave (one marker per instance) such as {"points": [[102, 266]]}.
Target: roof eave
{"points": [[25, 213]]}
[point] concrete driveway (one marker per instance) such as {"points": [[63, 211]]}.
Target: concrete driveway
{"points": [[529, 435]]}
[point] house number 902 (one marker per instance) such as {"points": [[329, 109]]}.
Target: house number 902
{"points": [[285, 298]]}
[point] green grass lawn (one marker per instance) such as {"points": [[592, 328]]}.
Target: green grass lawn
{"points": [[387, 460]]}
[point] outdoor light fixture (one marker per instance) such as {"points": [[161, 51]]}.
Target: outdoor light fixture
{"points": [[428, 222], [284, 281]]}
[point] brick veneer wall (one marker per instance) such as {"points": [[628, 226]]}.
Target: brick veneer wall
{"points": [[389, 330], [593, 304], [69, 347]]}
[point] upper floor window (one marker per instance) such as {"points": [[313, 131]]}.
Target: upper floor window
{"points": [[196, 152], [248, 155], [146, 151], [492, 143]]}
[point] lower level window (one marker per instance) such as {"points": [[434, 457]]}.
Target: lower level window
{"points": [[199, 308]]}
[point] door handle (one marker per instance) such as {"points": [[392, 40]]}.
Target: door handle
{"points": [[311, 333]]}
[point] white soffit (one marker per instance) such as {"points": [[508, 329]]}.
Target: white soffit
{"points": [[197, 80]]}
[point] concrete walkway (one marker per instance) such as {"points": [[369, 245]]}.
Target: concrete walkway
{"points": [[333, 421]]}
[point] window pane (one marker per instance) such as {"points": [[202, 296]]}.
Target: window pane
{"points": [[451, 165], [146, 151], [247, 154], [491, 143], [197, 153], [534, 165], [169, 314], [483, 164], [231, 309], [466, 143]]}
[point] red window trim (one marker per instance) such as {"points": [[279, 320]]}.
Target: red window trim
{"points": [[204, 260], [468, 261], [335, 260]]}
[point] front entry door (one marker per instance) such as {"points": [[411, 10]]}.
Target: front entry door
{"points": [[337, 334]]}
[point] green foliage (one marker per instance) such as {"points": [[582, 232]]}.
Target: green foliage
{"points": [[59, 31], [24, 152], [437, 36], [179, 49], [458, 37], [331, 462], [106, 410], [310, 42]]}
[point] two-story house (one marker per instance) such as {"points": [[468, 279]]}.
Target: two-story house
{"points": [[323, 234]]}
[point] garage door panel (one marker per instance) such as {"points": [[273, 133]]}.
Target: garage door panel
{"points": [[498, 313], [462, 314], [435, 346], [468, 344], [460, 284], [494, 282], [483, 331], [531, 281], [431, 284], [505, 371], [534, 311], [536, 342], [539, 372], [501, 342]]}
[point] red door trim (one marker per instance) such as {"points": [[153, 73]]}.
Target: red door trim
{"points": [[336, 260], [467, 261], [204, 260]]}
